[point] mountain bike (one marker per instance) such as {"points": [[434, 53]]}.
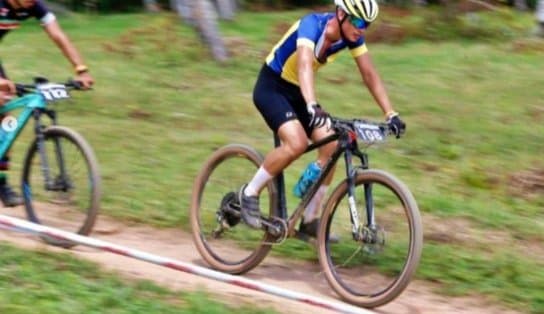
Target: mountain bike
{"points": [[373, 216], [61, 184]]}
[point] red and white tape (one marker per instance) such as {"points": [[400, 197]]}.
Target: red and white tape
{"points": [[14, 224]]}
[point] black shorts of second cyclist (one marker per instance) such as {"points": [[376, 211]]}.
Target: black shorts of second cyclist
{"points": [[279, 101]]}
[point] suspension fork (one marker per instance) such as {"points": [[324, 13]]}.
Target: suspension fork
{"points": [[369, 204], [49, 182], [369, 201], [40, 143], [281, 209], [350, 175]]}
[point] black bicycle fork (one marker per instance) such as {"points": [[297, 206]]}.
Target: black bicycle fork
{"points": [[50, 183]]}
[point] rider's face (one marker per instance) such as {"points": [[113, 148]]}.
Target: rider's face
{"points": [[352, 32], [349, 28]]}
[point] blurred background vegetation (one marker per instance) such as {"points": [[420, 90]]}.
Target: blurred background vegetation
{"points": [[104, 6], [443, 19]]}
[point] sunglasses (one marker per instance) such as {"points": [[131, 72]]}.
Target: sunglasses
{"points": [[358, 23]]}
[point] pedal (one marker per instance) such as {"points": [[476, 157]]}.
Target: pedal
{"points": [[277, 227]]}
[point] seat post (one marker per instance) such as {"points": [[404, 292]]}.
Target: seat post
{"points": [[280, 185]]}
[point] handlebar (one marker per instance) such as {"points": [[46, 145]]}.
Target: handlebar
{"points": [[340, 125], [363, 131], [22, 89]]}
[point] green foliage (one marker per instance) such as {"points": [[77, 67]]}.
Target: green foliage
{"points": [[499, 275], [442, 23], [43, 282], [260, 5], [103, 5], [109, 6]]}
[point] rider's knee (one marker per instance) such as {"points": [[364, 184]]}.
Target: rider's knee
{"points": [[296, 147]]}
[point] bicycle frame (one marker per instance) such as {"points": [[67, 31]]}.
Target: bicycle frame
{"points": [[31, 104], [34, 105], [347, 145]]}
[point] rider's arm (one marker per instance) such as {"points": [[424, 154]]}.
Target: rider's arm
{"points": [[58, 36], [374, 83], [306, 73]]}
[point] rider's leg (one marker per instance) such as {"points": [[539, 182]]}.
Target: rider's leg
{"points": [[284, 110], [312, 209], [7, 195], [310, 221], [293, 143], [324, 153]]}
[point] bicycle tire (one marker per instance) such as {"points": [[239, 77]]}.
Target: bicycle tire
{"points": [[61, 200], [240, 248], [390, 262]]}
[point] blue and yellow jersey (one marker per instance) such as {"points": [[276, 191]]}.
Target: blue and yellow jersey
{"points": [[10, 18], [308, 31]]}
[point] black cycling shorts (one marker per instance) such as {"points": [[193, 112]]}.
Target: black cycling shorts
{"points": [[279, 101]]}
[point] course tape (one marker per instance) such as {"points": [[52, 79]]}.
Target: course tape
{"points": [[15, 224]]}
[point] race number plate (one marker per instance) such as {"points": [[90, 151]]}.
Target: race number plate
{"points": [[52, 92], [369, 133]]}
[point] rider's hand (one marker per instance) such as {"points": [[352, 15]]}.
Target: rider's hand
{"points": [[85, 79], [7, 90], [318, 116], [397, 126]]}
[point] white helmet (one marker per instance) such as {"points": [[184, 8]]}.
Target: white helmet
{"points": [[363, 9]]}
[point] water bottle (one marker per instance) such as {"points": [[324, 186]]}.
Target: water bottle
{"points": [[307, 179]]}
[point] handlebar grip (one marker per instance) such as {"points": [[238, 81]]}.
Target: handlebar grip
{"points": [[74, 84], [20, 89]]}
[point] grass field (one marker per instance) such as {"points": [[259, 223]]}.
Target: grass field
{"points": [[58, 283], [472, 155]]}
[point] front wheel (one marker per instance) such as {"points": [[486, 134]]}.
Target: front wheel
{"points": [[372, 264], [61, 183], [222, 239]]}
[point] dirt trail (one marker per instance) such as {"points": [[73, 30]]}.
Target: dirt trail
{"points": [[302, 277]]}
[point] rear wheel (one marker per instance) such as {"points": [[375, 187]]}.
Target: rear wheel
{"points": [[61, 183], [371, 266], [220, 236]]}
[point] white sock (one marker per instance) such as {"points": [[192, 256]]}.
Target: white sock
{"points": [[312, 210], [256, 184]]}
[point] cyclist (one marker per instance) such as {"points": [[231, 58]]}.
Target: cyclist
{"points": [[12, 12], [285, 95]]}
